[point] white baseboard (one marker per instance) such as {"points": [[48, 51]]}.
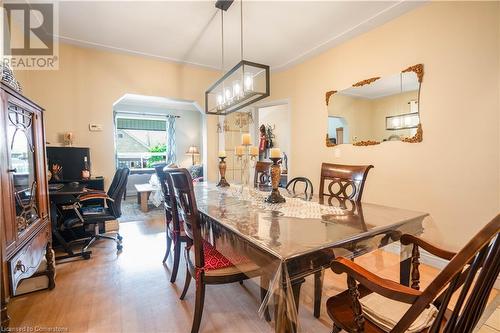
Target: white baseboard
{"points": [[429, 259]]}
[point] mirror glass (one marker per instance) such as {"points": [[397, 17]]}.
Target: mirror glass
{"points": [[375, 110]]}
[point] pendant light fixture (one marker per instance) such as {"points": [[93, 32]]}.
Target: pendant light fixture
{"points": [[244, 84]]}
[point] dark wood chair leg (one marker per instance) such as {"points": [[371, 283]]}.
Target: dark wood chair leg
{"points": [[318, 290], [198, 308], [264, 286], [169, 245], [177, 258], [186, 283]]}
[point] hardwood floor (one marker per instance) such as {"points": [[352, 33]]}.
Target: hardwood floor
{"points": [[131, 292]]}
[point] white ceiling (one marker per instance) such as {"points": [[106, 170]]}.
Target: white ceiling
{"points": [[133, 102], [277, 33]]}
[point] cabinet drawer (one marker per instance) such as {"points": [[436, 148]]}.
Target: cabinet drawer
{"points": [[25, 263]]}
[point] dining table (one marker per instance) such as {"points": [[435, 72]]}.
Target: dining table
{"points": [[292, 240]]}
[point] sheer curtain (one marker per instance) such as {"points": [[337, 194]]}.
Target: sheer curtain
{"points": [[171, 156]]}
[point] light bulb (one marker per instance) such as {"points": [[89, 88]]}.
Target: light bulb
{"points": [[236, 89], [228, 94], [395, 122], [408, 121], [248, 82], [220, 100]]}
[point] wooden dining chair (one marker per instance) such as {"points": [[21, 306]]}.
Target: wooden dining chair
{"points": [[203, 261], [262, 175], [307, 185], [174, 229], [341, 183], [469, 278]]}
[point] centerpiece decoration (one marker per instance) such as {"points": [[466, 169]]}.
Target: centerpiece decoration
{"points": [[275, 196], [222, 169]]}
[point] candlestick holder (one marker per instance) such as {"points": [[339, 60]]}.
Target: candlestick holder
{"points": [[275, 196], [222, 169], [246, 159]]}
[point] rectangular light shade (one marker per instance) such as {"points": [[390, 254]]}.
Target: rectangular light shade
{"points": [[244, 84], [402, 121]]}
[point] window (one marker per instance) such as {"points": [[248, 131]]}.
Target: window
{"points": [[142, 141]]}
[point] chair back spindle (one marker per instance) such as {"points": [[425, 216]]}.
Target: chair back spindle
{"points": [[186, 202], [170, 201]]}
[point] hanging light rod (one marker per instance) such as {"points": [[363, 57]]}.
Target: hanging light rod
{"points": [[223, 4], [244, 84]]}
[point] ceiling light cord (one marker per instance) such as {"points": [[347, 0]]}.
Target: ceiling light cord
{"points": [[222, 34], [241, 29]]}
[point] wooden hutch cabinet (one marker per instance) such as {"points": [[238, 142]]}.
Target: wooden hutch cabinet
{"points": [[24, 213]]}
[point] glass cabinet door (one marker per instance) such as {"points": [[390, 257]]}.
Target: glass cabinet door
{"points": [[22, 165]]}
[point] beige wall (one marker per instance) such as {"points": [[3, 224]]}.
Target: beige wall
{"points": [[454, 173], [89, 81]]}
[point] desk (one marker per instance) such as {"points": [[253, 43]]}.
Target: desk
{"points": [[293, 240], [95, 183], [68, 189]]}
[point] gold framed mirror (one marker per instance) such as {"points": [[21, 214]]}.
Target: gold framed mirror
{"points": [[376, 110]]}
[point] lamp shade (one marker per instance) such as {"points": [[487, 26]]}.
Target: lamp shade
{"points": [[193, 150]]}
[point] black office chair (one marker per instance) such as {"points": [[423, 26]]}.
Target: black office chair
{"points": [[95, 214]]}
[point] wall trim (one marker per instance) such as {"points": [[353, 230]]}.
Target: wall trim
{"points": [[428, 259]]}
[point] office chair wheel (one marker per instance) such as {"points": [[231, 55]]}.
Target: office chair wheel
{"points": [[119, 247], [119, 237]]}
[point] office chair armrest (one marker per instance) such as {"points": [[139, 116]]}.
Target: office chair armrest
{"points": [[94, 195]]}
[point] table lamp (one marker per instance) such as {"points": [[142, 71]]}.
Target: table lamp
{"points": [[192, 150]]}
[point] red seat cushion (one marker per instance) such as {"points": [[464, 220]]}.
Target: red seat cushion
{"points": [[215, 260]]}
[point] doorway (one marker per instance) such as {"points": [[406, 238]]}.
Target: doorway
{"points": [[273, 129]]}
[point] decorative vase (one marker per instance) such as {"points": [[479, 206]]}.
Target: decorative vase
{"points": [[222, 169], [275, 196]]}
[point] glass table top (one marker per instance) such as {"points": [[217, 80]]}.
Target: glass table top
{"points": [[299, 226]]}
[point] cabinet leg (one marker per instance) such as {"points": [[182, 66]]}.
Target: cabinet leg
{"points": [[4, 315], [51, 265]]}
